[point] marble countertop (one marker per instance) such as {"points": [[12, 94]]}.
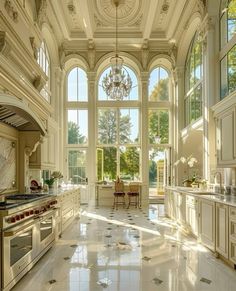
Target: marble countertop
{"points": [[204, 194]]}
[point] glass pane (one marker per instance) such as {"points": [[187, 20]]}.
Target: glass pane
{"points": [[191, 71], [198, 102], [129, 126], [46, 227], [192, 107], [129, 163], [231, 19], [198, 62], [107, 163], [156, 171], [72, 86], [159, 85], [224, 82], [77, 166], [158, 126], [77, 126], [107, 126], [82, 86], [232, 69], [223, 30], [187, 110]]}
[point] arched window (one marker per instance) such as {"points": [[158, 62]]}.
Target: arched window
{"points": [[134, 90], [118, 134], [77, 125], [158, 128], [158, 89], [77, 85], [228, 47], [44, 62], [193, 82]]}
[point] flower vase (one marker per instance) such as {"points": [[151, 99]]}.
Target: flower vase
{"points": [[187, 183]]}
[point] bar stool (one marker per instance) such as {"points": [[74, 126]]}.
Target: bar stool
{"points": [[133, 195], [119, 193]]}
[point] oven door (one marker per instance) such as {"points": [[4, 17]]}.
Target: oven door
{"points": [[19, 248], [46, 228]]}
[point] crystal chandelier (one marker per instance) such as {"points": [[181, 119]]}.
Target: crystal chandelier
{"points": [[117, 83]]}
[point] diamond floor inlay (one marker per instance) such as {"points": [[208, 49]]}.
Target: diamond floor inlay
{"points": [[115, 254]]}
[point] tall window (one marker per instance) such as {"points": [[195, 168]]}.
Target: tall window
{"points": [[193, 82], [228, 47], [158, 128], [44, 62], [118, 134], [77, 125]]}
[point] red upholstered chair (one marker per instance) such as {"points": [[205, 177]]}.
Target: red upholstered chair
{"points": [[119, 193], [133, 195]]}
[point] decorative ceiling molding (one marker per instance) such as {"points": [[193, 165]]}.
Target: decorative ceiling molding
{"points": [[129, 12]]}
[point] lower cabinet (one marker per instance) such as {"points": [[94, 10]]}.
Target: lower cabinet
{"points": [[192, 214], [180, 208], [207, 223], [69, 204], [232, 234], [222, 229]]}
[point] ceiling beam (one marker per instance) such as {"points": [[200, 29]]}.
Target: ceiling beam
{"points": [[150, 19], [86, 22]]}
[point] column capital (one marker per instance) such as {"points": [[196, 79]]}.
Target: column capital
{"points": [[144, 76], [91, 76]]}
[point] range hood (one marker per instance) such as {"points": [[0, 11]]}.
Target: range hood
{"points": [[19, 116]]}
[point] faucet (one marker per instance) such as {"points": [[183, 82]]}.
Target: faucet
{"points": [[220, 177]]}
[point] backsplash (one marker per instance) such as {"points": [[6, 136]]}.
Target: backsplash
{"points": [[7, 163]]}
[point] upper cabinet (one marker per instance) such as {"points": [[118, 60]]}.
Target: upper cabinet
{"points": [[225, 119]]}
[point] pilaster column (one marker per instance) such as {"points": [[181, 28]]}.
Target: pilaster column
{"points": [[177, 123], [211, 77], [91, 153], [144, 138]]}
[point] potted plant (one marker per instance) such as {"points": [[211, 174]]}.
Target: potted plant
{"points": [[189, 163], [55, 176]]}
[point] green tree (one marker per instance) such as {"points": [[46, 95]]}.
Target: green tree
{"points": [[74, 136], [159, 125], [160, 91], [129, 161]]}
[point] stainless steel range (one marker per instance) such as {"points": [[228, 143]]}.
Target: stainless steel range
{"points": [[27, 224]]}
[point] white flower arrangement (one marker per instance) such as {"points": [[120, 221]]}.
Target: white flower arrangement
{"points": [[190, 161]]}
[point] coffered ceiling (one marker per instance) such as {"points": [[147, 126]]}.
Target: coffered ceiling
{"points": [[139, 21]]}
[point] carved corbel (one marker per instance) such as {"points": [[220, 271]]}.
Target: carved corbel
{"points": [[11, 11], [91, 53], [41, 7], [34, 47], [5, 48], [145, 54], [39, 83]]}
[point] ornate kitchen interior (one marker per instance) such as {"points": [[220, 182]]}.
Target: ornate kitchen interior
{"points": [[99, 91]]}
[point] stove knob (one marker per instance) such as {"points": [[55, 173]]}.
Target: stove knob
{"points": [[36, 211], [48, 206], [17, 217], [27, 213], [22, 215], [31, 212]]}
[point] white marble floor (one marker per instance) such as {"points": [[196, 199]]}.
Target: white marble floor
{"points": [[130, 250]]}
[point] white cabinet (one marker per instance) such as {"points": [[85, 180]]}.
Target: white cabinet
{"points": [[180, 207], [232, 234], [226, 138], [207, 223], [192, 214], [222, 227]]}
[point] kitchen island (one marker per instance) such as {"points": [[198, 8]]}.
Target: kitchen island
{"points": [[209, 216]]}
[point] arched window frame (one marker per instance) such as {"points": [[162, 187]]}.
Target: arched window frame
{"points": [[118, 146], [193, 82], [45, 64], [227, 47], [76, 112]]}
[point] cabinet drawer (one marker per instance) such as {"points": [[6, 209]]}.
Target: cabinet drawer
{"points": [[232, 212], [67, 215], [232, 228]]}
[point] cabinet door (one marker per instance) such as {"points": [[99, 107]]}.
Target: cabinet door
{"points": [[222, 229], [181, 208], [207, 223], [226, 154], [192, 214], [232, 234]]}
